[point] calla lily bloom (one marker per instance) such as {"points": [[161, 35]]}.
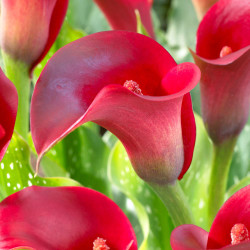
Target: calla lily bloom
{"points": [[202, 6], [223, 55], [47, 218], [8, 111], [230, 229], [29, 28], [130, 85], [121, 14]]}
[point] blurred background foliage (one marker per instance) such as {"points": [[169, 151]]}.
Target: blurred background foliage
{"points": [[94, 158]]}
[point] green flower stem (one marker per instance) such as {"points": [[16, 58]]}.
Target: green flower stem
{"points": [[18, 73], [219, 174], [175, 202]]}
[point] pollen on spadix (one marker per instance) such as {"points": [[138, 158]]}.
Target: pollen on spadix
{"points": [[239, 233], [100, 244], [2, 132], [133, 86], [226, 50]]}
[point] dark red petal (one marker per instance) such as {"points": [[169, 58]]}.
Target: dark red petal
{"points": [[188, 132], [227, 23], [62, 218], [189, 237], [8, 111], [235, 210], [225, 91], [83, 82], [121, 14], [56, 22]]}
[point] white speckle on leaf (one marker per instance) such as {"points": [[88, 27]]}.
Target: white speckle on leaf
{"points": [[8, 175], [8, 184], [29, 183], [30, 175], [201, 204], [11, 165], [2, 165]]}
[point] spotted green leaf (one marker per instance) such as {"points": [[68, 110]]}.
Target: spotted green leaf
{"points": [[83, 156], [16, 172], [152, 214]]}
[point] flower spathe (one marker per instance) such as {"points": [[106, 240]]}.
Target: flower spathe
{"points": [[84, 82], [232, 221], [223, 55], [63, 218], [8, 111], [121, 14], [34, 27]]}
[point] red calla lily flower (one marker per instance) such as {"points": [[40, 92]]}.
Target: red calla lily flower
{"points": [[223, 55], [230, 229], [121, 14], [29, 28], [48, 218], [84, 82], [202, 6], [8, 111]]}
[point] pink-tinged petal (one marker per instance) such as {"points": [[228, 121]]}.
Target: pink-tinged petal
{"points": [[34, 27], [225, 91], [241, 246], [56, 22], [225, 86], [84, 82], [202, 6], [8, 111], [174, 83], [62, 218], [227, 23], [189, 237], [121, 14], [235, 210]]}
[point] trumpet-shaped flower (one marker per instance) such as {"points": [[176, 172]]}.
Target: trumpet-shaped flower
{"points": [[223, 55], [230, 229], [63, 218], [8, 111], [130, 85], [29, 28], [121, 14]]}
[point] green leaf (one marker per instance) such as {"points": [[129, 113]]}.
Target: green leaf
{"points": [[84, 156], [140, 27], [195, 182], [182, 26], [87, 16], [240, 166], [16, 172], [242, 183], [155, 223]]}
